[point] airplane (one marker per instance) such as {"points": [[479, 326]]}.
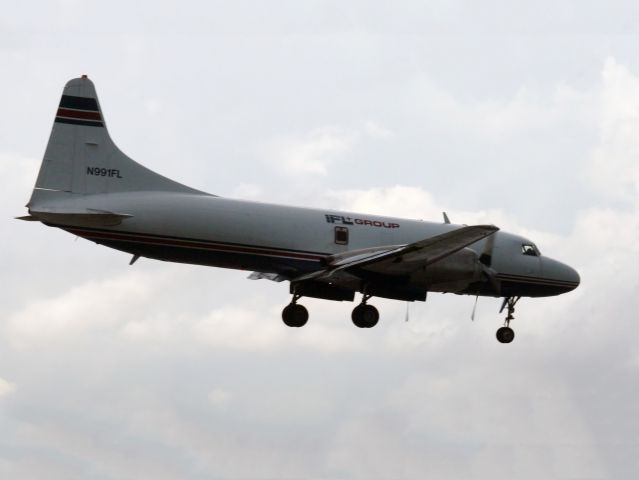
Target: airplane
{"points": [[88, 187]]}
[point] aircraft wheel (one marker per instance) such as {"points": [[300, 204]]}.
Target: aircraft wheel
{"points": [[295, 315], [365, 316], [505, 335]]}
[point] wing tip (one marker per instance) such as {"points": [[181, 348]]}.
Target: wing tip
{"points": [[489, 228]]}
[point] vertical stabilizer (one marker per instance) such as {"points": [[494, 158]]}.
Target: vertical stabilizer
{"points": [[81, 158]]}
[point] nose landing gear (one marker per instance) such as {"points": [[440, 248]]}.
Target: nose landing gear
{"points": [[506, 334], [364, 315]]}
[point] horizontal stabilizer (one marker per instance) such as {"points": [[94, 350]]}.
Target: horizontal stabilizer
{"points": [[88, 218]]}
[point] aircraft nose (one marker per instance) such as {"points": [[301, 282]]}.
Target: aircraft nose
{"points": [[560, 274]]}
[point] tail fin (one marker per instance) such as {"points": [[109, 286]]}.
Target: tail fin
{"points": [[81, 158]]}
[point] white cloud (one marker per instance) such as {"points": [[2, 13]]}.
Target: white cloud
{"points": [[400, 201], [376, 130], [247, 191], [21, 172], [615, 168], [260, 328], [153, 327], [219, 397], [315, 151], [311, 153], [415, 203], [238, 327], [428, 326], [527, 110], [6, 387], [119, 305], [153, 106], [91, 306], [496, 119]]}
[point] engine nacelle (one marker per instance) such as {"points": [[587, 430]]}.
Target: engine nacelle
{"points": [[453, 273]]}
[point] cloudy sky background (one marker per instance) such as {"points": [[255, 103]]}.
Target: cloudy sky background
{"points": [[522, 114]]}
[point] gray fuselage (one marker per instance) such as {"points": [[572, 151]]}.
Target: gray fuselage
{"points": [[214, 231]]}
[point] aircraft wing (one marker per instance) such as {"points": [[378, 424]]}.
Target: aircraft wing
{"points": [[402, 259]]}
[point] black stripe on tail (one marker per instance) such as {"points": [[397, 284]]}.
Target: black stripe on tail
{"points": [[79, 111]]}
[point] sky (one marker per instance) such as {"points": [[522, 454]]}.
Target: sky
{"points": [[520, 114]]}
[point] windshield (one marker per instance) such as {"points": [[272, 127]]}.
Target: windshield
{"points": [[530, 249]]}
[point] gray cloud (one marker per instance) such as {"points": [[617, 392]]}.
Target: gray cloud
{"points": [[521, 118]]}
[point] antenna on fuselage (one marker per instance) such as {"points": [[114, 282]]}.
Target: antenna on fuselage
{"points": [[446, 219], [472, 315]]}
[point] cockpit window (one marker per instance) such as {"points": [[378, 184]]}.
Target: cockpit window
{"points": [[529, 249]]}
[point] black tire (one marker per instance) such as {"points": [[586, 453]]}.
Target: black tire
{"points": [[365, 316], [505, 335], [295, 315]]}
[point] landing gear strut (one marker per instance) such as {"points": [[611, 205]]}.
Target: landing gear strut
{"points": [[506, 334], [295, 315], [364, 315]]}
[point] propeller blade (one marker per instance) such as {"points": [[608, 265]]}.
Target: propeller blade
{"points": [[486, 260], [491, 275], [486, 256], [406, 317]]}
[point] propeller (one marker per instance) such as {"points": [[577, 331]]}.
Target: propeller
{"points": [[486, 257], [486, 260]]}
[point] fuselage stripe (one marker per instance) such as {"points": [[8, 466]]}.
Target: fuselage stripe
{"points": [[200, 245], [536, 280]]}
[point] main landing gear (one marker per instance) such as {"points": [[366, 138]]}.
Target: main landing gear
{"points": [[506, 334], [367, 316], [364, 315], [295, 315]]}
